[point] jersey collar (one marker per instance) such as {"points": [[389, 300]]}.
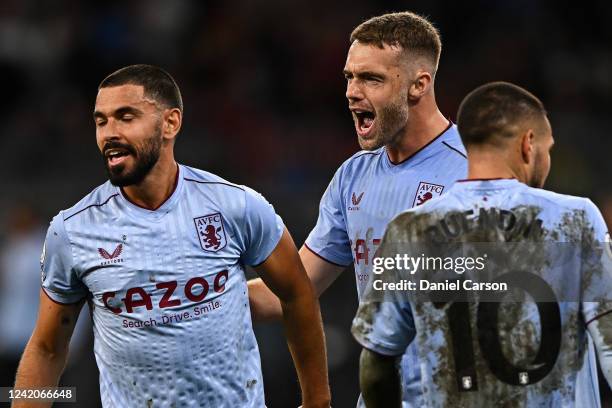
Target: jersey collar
{"points": [[163, 209], [425, 150], [487, 183]]}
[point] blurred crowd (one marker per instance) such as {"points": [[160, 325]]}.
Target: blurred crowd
{"points": [[264, 106]]}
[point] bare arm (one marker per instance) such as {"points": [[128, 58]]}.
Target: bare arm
{"points": [[45, 355], [265, 306], [379, 380], [284, 274]]}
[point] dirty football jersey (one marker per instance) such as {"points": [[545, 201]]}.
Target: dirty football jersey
{"points": [[519, 351]]}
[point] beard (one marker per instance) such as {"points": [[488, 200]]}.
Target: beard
{"points": [[390, 120], [145, 157]]}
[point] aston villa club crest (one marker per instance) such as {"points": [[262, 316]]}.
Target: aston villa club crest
{"points": [[211, 232], [425, 192]]}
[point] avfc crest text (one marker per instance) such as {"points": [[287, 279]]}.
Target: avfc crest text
{"points": [[426, 191], [211, 232]]}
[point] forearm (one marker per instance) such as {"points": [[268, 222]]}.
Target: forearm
{"points": [[304, 331], [38, 368], [379, 380], [265, 306]]}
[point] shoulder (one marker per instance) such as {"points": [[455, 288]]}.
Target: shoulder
{"points": [[359, 162], [363, 157], [451, 139], [233, 198], [97, 199], [210, 187], [559, 201], [570, 205], [568, 217], [452, 146], [204, 179]]}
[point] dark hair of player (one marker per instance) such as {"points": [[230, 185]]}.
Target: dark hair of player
{"points": [[412, 32], [495, 111], [157, 83]]}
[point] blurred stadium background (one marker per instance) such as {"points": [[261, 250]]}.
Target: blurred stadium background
{"points": [[264, 106]]}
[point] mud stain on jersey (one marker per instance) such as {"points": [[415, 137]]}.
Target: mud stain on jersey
{"points": [[364, 319]]}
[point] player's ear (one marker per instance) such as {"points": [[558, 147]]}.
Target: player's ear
{"points": [[527, 146], [420, 85], [172, 121]]}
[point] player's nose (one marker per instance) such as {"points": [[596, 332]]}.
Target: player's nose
{"points": [[353, 91], [109, 131]]}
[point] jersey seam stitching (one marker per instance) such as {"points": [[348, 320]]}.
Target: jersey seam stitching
{"points": [[65, 232], [91, 205], [455, 149], [213, 182], [325, 259], [597, 317]]}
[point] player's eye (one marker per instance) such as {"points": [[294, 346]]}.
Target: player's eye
{"points": [[373, 79], [127, 117], [100, 122]]}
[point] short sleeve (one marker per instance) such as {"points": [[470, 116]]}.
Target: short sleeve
{"points": [[386, 328], [263, 228], [596, 266], [329, 238], [59, 279]]}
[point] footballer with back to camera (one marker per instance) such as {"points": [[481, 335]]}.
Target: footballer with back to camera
{"points": [[537, 350], [411, 153], [158, 252]]}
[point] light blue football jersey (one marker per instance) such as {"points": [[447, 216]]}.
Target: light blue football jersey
{"points": [[167, 290], [523, 354], [367, 192]]}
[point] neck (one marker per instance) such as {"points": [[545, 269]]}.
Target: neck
{"points": [[483, 164], [157, 186], [425, 123]]}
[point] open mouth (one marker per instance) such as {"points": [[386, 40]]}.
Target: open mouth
{"points": [[116, 156], [364, 121]]}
